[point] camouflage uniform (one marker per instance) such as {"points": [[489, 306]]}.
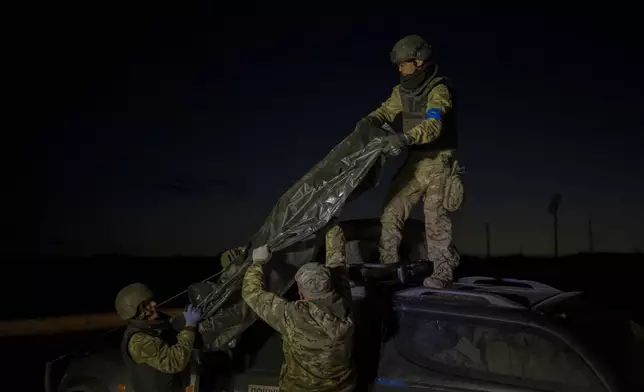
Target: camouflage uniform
{"points": [[317, 332], [230, 255], [148, 347], [153, 352], [431, 138]]}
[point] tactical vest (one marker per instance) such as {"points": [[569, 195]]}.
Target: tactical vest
{"points": [[145, 378], [414, 110]]}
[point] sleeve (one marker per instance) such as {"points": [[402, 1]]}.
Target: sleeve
{"points": [[389, 109], [439, 103], [336, 261], [153, 351], [269, 307]]}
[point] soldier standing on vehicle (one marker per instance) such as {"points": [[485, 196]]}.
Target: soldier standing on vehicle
{"points": [[317, 330], [154, 353], [429, 174]]}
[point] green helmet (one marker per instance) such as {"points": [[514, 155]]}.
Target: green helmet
{"points": [[411, 47], [129, 298]]}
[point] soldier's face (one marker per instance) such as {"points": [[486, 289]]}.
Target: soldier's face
{"points": [[409, 67], [151, 310]]}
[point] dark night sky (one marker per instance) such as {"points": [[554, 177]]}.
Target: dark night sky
{"points": [[167, 131]]}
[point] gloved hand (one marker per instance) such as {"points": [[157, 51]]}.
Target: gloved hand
{"points": [[261, 254], [394, 144], [192, 315]]}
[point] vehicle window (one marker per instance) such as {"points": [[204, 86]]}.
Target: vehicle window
{"points": [[509, 354]]}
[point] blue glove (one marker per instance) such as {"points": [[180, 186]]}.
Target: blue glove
{"points": [[192, 315]]}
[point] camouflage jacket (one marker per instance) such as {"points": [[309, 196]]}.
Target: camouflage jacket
{"points": [[438, 97], [317, 335], [152, 350]]}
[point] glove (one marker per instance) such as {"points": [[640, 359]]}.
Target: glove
{"points": [[192, 315], [262, 254], [394, 144]]}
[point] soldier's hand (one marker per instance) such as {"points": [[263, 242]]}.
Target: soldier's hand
{"points": [[261, 254], [192, 315], [394, 144]]}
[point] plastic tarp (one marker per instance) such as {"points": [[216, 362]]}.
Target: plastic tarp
{"points": [[294, 231]]}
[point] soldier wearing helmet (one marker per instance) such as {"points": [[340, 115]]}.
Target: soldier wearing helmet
{"points": [[154, 353], [317, 330], [425, 101]]}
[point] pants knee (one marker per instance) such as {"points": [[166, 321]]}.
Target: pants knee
{"points": [[390, 219]]}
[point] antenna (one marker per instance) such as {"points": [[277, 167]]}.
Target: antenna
{"points": [[487, 240], [591, 236], [553, 208]]}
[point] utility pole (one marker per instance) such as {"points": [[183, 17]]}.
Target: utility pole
{"points": [[553, 208], [591, 237], [487, 239]]}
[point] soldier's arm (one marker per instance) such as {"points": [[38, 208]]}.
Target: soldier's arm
{"points": [[336, 261], [269, 307], [389, 109], [154, 352], [439, 103]]}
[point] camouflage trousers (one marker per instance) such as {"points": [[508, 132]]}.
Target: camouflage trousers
{"points": [[335, 245], [421, 179]]}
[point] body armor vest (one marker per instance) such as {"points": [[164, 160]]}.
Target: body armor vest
{"points": [[414, 109], [145, 378]]}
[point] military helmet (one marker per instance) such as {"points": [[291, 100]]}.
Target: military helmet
{"points": [[411, 47], [129, 298], [314, 281]]}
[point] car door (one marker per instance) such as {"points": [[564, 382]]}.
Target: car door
{"points": [[438, 350], [261, 350]]}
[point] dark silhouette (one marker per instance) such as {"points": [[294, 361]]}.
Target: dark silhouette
{"points": [[487, 240], [553, 208], [591, 237]]}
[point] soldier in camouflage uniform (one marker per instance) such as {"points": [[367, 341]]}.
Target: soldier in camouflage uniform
{"points": [[154, 353], [425, 101], [317, 330]]}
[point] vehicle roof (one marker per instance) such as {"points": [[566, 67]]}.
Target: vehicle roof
{"points": [[502, 293]]}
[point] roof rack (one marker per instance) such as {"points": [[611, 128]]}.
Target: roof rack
{"points": [[492, 299], [545, 304], [490, 281]]}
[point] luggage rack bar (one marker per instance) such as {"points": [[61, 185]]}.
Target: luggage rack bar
{"points": [[490, 281], [544, 305], [391, 266], [492, 299], [403, 270]]}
